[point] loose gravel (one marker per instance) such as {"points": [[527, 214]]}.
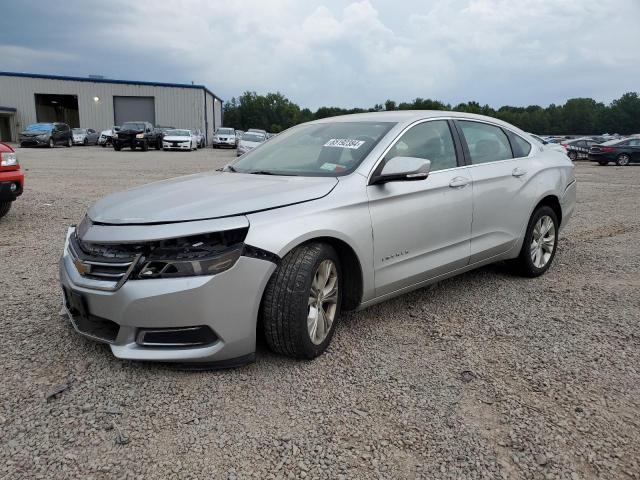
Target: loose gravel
{"points": [[486, 375]]}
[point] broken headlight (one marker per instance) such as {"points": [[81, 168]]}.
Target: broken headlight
{"points": [[207, 254]]}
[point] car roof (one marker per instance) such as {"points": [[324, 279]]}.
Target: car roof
{"points": [[410, 116]]}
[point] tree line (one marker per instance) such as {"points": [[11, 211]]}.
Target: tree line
{"points": [[274, 112]]}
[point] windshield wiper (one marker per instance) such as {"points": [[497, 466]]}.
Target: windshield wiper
{"points": [[267, 172]]}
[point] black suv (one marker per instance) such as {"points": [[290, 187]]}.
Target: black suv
{"points": [[137, 134], [46, 135]]}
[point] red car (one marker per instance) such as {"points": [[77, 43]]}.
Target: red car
{"points": [[11, 178]]}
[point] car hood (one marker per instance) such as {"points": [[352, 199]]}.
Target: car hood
{"points": [[207, 195], [176, 138], [34, 132], [245, 143]]}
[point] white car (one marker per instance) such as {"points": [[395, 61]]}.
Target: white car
{"points": [[199, 137], [84, 136], [224, 137], [249, 141], [179, 140], [551, 146]]}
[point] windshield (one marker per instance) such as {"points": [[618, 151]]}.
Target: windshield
{"points": [[324, 149], [39, 127], [132, 126], [225, 131], [253, 137], [178, 133], [79, 130]]}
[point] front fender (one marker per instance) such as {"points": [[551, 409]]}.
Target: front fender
{"points": [[342, 215]]}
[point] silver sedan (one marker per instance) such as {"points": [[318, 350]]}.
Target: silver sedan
{"points": [[332, 215]]}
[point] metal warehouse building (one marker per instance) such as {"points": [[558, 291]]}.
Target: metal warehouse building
{"points": [[99, 103]]}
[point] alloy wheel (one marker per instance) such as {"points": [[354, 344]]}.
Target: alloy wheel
{"points": [[543, 241], [323, 301], [623, 160]]}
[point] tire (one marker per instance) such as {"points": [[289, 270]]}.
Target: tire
{"points": [[69, 143], [623, 160], [132, 147], [86, 142], [158, 145], [4, 208], [117, 147], [286, 306], [525, 263], [602, 163], [145, 146], [104, 145], [51, 143], [573, 156]]}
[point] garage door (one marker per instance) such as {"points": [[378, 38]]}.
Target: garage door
{"points": [[129, 109]]}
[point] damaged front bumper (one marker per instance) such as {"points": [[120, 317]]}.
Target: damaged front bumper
{"points": [[199, 319]]}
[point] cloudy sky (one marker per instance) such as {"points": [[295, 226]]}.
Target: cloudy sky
{"points": [[340, 52]]}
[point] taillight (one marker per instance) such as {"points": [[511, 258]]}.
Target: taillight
{"points": [[607, 149], [564, 146], [9, 161]]}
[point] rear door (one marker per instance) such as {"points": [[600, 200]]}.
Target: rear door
{"points": [[634, 145], [498, 176], [421, 228]]}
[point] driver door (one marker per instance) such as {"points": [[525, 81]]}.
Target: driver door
{"points": [[422, 228]]}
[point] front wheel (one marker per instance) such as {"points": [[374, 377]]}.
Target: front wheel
{"points": [[573, 156], [117, 147], [145, 146], [623, 160], [51, 143], [69, 142], [540, 243], [301, 304], [602, 162], [4, 208]]}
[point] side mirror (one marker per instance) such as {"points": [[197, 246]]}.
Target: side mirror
{"points": [[399, 169]]}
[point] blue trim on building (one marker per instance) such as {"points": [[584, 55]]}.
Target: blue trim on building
{"points": [[8, 109], [107, 80]]}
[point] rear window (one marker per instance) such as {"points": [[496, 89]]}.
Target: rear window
{"points": [[487, 143], [520, 146]]}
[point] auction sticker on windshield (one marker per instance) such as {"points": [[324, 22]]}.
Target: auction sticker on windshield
{"points": [[344, 143]]}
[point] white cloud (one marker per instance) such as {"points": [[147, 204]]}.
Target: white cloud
{"points": [[356, 53]]}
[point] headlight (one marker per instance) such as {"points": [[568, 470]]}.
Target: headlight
{"points": [[207, 254], [43, 136], [140, 135], [115, 135], [8, 160]]}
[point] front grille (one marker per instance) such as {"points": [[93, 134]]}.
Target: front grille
{"points": [[102, 262]]}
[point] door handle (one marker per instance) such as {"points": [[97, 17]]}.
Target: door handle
{"points": [[459, 182], [518, 172]]}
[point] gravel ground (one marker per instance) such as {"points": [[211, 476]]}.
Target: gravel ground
{"points": [[483, 376]]}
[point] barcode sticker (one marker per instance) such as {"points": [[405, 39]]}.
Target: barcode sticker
{"points": [[344, 143]]}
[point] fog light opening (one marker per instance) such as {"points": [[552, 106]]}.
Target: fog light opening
{"points": [[182, 337]]}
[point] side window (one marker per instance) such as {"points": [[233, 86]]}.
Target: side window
{"points": [[519, 145], [487, 143], [429, 140], [634, 142], [581, 143]]}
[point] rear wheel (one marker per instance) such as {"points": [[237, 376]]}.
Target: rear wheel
{"points": [[573, 156], [623, 160], [4, 208], [301, 304], [540, 243]]}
